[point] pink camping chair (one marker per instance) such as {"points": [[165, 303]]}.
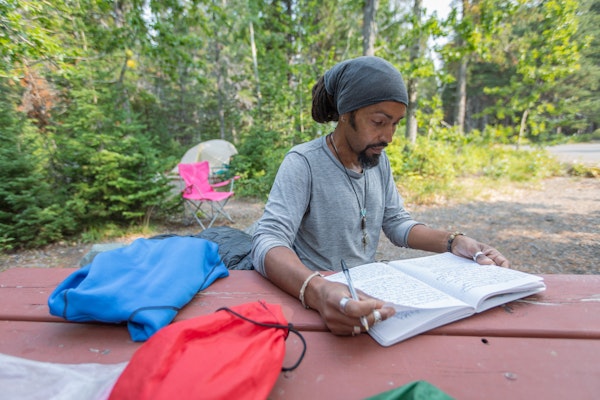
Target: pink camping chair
{"points": [[199, 191]]}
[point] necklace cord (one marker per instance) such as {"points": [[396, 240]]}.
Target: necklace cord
{"points": [[362, 209]]}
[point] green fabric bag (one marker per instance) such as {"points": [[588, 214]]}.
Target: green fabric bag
{"points": [[418, 390]]}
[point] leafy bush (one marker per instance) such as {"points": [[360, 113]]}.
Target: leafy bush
{"points": [[260, 154], [29, 212], [93, 167], [429, 170], [582, 170]]}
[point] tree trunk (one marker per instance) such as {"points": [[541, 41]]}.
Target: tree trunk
{"points": [[255, 64], [461, 81], [220, 88], [522, 128], [413, 83], [369, 27], [461, 95], [119, 19]]}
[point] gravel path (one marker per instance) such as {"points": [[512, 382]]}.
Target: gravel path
{"points": [[552, 227]]}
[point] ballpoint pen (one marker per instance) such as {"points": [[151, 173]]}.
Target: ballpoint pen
{"points": [[363, 319]]}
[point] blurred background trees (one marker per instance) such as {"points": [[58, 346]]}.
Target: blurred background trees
{"points": [[100, 99]]}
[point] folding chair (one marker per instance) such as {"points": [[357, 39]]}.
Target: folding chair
{"points": [[199, 191]]}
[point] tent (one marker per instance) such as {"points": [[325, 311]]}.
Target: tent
{"points": [[217, 152]]}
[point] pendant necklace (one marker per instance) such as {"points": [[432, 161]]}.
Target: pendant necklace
{"points": [[363, 208]]}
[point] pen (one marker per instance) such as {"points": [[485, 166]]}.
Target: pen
{"points": [[363, 319]]}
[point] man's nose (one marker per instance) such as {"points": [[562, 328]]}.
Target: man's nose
{"points": [[388, 134]]}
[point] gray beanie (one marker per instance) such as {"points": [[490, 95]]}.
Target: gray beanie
{"points": [[364, 81]]}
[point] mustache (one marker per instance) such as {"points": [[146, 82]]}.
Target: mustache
{"points": [[380, 144]]}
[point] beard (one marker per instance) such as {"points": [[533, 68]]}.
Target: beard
{"points": [[370, 161]]}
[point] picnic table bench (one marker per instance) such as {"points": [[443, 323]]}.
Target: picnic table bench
{"points": [[544, 346]]}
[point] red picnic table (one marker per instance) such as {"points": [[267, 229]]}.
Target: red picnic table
{"points": [[544, 346]]}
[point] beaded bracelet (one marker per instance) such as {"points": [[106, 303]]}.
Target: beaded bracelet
{"points": [[451, 239], [303, 288]]}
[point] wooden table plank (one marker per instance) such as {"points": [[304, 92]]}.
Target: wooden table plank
{"points": [[247, 287], [570, 307], [65, 342], [462, 366], [47, 278], [24, 292], [357, 367], [24, 296]]}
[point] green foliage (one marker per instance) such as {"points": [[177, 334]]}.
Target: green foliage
{"points": [[519, 166], [428, 171], [539, 56], [27, 32], [577, 93], [30, 214], [99, 99], [584, 171], [259, 157], [110, 166], [421, 173]]}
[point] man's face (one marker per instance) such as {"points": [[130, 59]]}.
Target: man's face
{"points": [[374, 127]]}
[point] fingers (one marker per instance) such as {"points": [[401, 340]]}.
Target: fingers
{"points": [[497, 258], [483, 259], [501, 261], [380, 315], [491, 256], [373, 310], [354, 308], [341, 313], [480, 252]]}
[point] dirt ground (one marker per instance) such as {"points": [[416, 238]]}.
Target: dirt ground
{"points": [[550, 227]]}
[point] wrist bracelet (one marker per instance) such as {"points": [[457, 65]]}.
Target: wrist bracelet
{"points": [[451, 240], [304, 286]]}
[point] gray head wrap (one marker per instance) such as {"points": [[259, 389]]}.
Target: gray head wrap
{"points": [[362, 82]]}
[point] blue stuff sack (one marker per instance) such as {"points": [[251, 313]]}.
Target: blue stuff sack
{"points": [[144, 284]]}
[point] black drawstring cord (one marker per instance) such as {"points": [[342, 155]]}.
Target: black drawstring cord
{"points": [[289, 327]]}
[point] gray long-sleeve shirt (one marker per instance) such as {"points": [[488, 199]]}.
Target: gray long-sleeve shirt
{"points": [[313, 210]]}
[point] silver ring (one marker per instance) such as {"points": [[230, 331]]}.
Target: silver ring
{"points": [[479, 253], [376, 317], [356, 330], [343, 303]]}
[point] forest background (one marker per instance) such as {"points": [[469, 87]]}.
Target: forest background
{"points": [[100, 99]]}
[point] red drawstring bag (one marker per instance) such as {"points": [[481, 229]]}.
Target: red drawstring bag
{"points": [[233, 353]]}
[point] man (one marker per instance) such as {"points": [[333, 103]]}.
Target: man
{"points": [[333, 195]]}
